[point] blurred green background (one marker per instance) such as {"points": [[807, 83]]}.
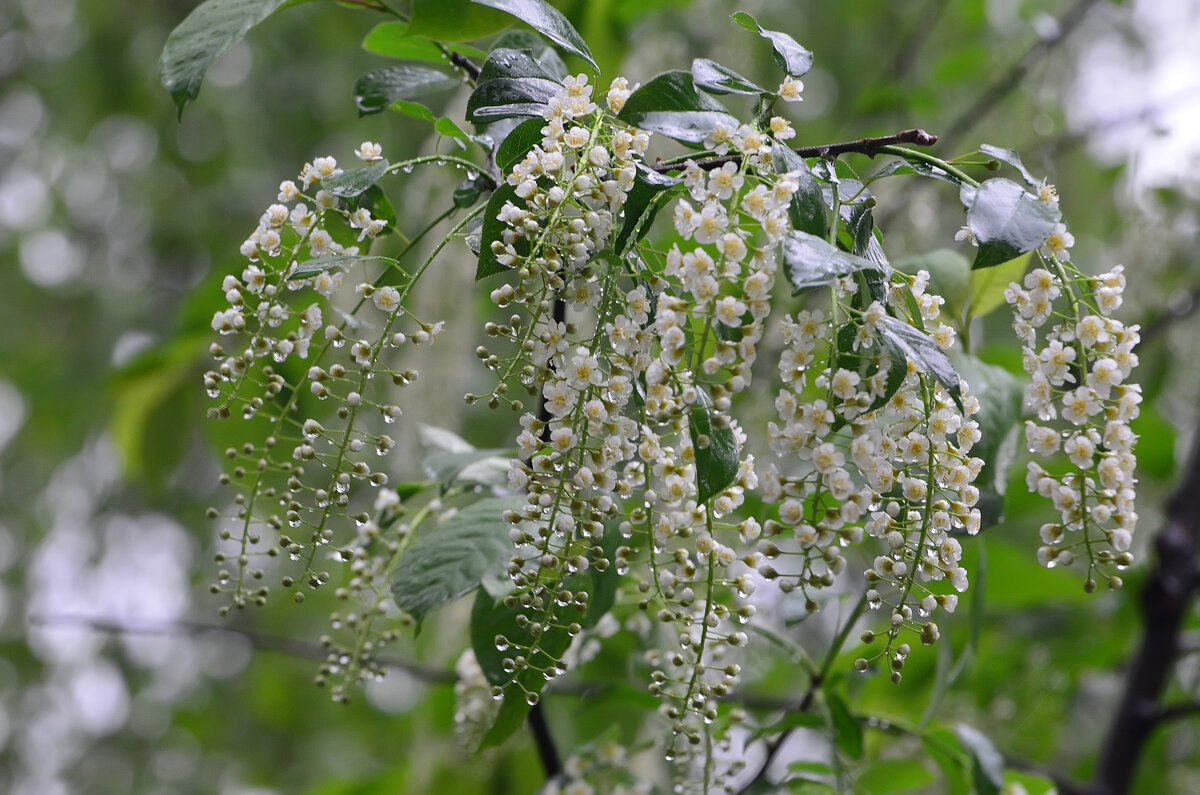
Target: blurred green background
{"points": [[114, 216]]}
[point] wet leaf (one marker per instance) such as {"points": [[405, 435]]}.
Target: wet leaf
{"points": [[211, 29], [375, 90], [354, 181], [670, 104], [811, 261], [717, 79], [547, 20], [1007, 221], [904, 340], [793, 59], [716, 461], [448, 561]]}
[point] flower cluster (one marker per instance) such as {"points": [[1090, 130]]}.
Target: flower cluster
{"points": [[1079, 360], [872, 457], [634, 353], [319, 394]]}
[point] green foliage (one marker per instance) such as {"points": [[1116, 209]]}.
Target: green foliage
{"points": [[793, 59], [547, 20], [380, 88], [670, 104], [448, 561], [811, 261], [715, 448], [1006, 221]]}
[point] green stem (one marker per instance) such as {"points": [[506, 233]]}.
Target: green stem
{"points": [[928, 159]]}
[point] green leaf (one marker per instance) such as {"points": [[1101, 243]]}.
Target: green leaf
{"points": [[493, 230], [811, 261], [717, 79], [670, 104], [375, 90], [311, 267], [489, 619], [1011, 157], [904, 340], [542, 52], [717, 461], [354, 181], [911, 168], [807, 209], [847, 731], [413, 110], [516, 144], [446, 126], [508, 97], [791, 57], [547, 20], [393, 40], [152, 398], [211, 29], [947, 753], [516, 64], [642, 198], [454, 20], [894, 775], [988, 285], [446, 467], [999, 394], [1007, 221], [448, 561], [987, 764], [669, 91]]}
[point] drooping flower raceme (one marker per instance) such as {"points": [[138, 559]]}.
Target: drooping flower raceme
{"points": [[1079, 360]]}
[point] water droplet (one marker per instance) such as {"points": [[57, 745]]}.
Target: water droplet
{"points": [[532, 699]]}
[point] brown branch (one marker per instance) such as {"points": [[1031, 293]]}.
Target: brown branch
{"points": [[1165, 600], [863, 146], [464, 63], [995, 93], [1174, 712]]}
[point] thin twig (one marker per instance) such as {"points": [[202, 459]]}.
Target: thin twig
{"points": [[464, 63], [1175, 712], [863, 146]]}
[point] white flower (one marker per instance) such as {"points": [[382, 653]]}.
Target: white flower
{"points": [[1080, 404], [386, 298], [789, 90], [369, 151], [730, 310]]}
